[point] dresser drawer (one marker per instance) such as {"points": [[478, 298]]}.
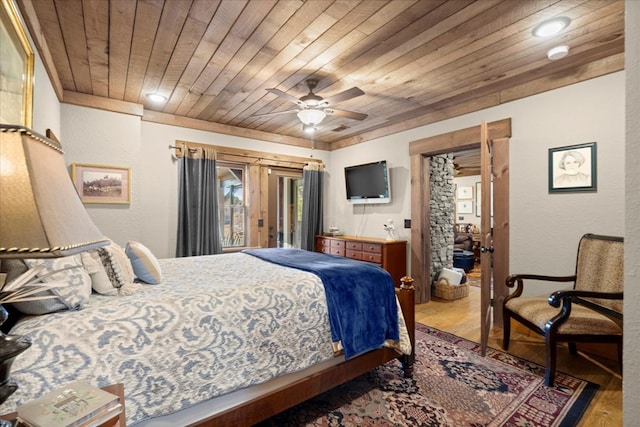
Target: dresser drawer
{"points": [[372, 247], [337, 244], [324, 242], [372, 257], [337, 251], [354, 254], [324, 249], [355, 246]]}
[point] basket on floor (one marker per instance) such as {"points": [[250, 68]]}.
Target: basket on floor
{"points": [[446, 291]]}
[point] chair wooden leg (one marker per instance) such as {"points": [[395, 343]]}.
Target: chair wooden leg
{"points": [[550, 371], [506, 330]]}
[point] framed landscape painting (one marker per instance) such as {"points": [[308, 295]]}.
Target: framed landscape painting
{"points": [[102, 184]]}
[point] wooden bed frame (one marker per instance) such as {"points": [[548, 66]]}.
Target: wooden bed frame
{"points": [[258, 409]]}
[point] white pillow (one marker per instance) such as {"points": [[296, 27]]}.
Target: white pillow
{"points": [[117, 265], [99, 279], [145, 264], [73, 296]]}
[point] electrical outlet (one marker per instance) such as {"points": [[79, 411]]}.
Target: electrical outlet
{"points": [[407, 223]]}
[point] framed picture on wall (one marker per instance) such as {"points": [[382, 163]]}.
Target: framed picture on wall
{"points": [[464, 193], [572, 168], [101, 184], [465, 207], [16, 84]]}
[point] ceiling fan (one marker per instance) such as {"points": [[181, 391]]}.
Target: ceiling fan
{"points": [[312, 108]]}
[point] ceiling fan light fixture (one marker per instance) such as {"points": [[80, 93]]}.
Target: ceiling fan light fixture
{"points": [[551, 27], [308, 129], [311, 116]]}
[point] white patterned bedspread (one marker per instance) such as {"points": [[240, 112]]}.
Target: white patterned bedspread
{"points": [[215, 324]]}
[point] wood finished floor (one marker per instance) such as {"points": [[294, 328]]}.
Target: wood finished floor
{"points": [[461, 317]]}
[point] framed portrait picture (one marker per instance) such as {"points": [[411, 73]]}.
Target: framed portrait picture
{"points": [[16, 69], [572, 168], [465, 193], [465, 207], [101, 184]]}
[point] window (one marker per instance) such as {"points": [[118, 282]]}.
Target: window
{"points": [[231, 178]]}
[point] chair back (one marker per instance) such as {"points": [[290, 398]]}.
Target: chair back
{"points": [[600, 268]]}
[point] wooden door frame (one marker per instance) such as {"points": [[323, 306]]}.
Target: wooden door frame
{"points": [[420, 151]]}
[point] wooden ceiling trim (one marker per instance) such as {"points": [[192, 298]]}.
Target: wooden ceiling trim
{"points": [[461, 139], [171, 25], [121, 15], [185, 95], [97, 16], [92, 101], [31, 19], [187, 122], [144, 32], [597, 68]]}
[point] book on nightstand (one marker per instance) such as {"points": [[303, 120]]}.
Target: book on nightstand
{"points": [[77, 404]]}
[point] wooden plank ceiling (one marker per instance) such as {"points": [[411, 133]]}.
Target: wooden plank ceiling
{"points": [[417, 62]]}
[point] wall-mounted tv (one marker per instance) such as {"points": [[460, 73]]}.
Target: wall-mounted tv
{"points": [[368, 183]]}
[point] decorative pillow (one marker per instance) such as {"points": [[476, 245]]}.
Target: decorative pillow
{"points": [[118, 267], [145, 264], [70, 297], [99, 279]]}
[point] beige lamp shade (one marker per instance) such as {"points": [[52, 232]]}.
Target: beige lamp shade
{"points": [[41, 214]]}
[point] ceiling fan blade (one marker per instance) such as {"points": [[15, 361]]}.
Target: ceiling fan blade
{"points": [[345, 113], [343, 96], [284, 95], [275, 113]]}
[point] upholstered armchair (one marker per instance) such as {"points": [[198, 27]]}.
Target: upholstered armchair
{"points": [[589, 312]]}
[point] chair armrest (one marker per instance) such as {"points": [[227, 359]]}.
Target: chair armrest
{"points": [[520, 278], [556, 297]]}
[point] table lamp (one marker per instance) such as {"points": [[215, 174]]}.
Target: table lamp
{"points": [[41, 216]]}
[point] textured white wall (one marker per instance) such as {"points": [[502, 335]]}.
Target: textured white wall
{"points": [[544, 228], [105, 138], [632, 236]]}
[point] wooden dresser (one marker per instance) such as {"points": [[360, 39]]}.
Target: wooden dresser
{"points": [[389, 254]]}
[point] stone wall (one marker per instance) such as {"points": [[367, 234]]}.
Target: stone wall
{"points": [[442, 206]]}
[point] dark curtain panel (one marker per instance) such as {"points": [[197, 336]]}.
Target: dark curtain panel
{"points": [[199, 228], [311, 205]]}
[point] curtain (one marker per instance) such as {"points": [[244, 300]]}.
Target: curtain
{"points": [[199, 228], [311, 204]]}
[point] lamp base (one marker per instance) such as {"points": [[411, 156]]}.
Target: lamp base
{"points": [[10, 347]]}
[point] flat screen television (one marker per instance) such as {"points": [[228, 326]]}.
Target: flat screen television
{"points": [[368, 183]]}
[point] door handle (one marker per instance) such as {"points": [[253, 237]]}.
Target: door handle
{"points": [[484, 249]]}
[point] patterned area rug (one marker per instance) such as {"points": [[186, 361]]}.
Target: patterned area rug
{"points": [[452, 386]]}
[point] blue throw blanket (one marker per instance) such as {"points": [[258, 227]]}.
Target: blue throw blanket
{"points": [[360, 296]]}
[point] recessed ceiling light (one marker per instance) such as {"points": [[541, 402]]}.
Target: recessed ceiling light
{"points": [[557, 52], [156, 97], [551, 27]]}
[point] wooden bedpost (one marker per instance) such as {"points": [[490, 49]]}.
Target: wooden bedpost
{"points": [[406, 297]]}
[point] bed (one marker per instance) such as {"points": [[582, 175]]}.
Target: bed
{"points": [[227, 339]]}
